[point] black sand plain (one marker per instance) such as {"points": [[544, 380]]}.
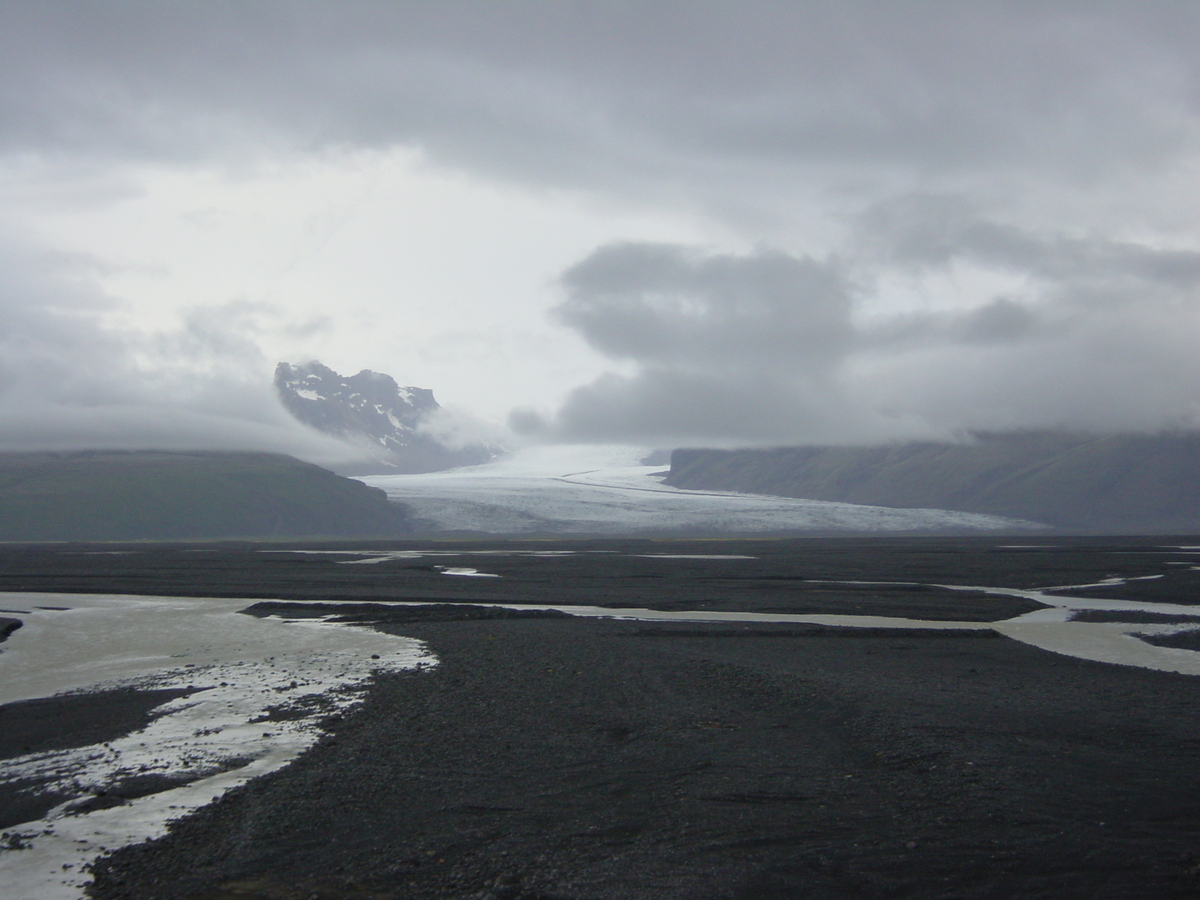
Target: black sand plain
{"points": [[549, 758]]}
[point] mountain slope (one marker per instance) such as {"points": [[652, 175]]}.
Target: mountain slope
{"points": [[372, 412], [1122, 483], [111, 496]]}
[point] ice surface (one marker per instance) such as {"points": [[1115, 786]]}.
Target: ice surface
{"points": [[605, 490], [214, 739]]}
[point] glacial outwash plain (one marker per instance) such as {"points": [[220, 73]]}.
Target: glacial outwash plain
{"points": [[631, 718]]}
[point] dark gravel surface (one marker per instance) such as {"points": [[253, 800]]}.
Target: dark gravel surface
{"points": [[548, 758], [1180, 585], [1184, 640], [76, 720], [776, 576], [581, 759], [1133, 616]]}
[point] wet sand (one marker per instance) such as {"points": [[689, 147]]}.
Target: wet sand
{"points": [[561, 759]]}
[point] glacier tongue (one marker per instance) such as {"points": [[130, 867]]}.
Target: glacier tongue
{"points": [[604, 490]]}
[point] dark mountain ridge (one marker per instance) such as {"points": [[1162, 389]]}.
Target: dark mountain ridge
{"points": [[1133, 483], [158, 495]]}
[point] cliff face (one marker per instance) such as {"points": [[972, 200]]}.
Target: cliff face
{"points": [[375, 414], [1114, 484], [151, 495]]}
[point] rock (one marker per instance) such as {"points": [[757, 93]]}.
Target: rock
{"points": [[372, 412]]}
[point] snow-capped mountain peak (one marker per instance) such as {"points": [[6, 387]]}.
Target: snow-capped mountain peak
{"points": [[371, 411]]}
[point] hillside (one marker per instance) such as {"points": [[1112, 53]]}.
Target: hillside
{"points": [[1113, 484], [150, 495]]}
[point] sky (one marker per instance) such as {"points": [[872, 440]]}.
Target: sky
{"points": [[656, 223]]}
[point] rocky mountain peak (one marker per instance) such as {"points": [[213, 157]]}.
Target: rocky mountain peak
{"points": [[372, 411]]}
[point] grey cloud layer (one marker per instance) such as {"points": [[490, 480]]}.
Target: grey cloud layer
{"points": [[926, 132], [765, 348], [666, 305], [613, 92]]}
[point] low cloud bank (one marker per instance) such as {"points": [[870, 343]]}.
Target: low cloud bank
{"points": [[768, 347], [985, 210]]}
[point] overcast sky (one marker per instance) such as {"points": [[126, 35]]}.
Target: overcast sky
{"points": [[660, 222]]}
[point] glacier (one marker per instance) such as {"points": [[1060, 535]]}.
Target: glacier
{"points": [[606, 490]]}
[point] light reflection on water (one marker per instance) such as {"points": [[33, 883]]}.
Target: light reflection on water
{"points": [[214, 739]]}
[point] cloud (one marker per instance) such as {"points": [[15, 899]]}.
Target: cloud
{"points": [[965, 215], [670, 407], [459, 429], [677, 306], [50, 332], [69, 380], [765, 347], [613, 93], [925, 231], [727, 347]]}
